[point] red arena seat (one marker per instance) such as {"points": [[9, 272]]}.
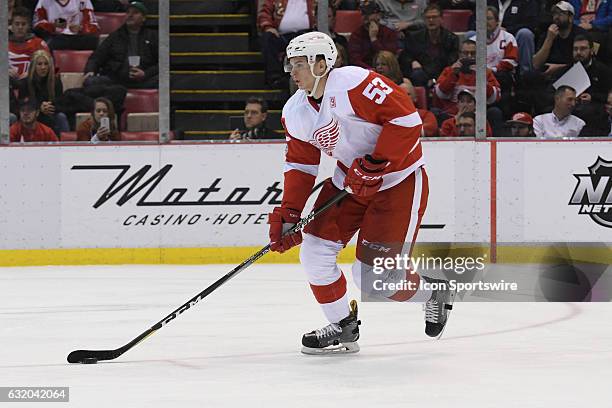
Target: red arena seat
{"points": [[139, 101], [110, 22], [456, 20], [139, 136], [70, 60], [348, 21]]}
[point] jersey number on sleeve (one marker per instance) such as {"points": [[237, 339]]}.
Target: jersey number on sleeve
{"points": [[377, 90]]}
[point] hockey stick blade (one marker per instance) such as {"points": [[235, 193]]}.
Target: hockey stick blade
{"points": [[82, 356]]}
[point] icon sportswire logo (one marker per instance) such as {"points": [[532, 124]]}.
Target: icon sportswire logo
{"points": [[593, 192]]}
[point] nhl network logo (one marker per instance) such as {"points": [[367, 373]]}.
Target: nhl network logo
{"points": [[593, 192]]}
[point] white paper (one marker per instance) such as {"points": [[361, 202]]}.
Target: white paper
{"points": [[576, 77]]}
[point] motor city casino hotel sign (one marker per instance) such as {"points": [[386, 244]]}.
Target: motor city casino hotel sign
{"points": [[140, 184]]}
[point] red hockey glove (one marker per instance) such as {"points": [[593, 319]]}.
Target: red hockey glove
{"points": [[281, 220], [365, 176]]}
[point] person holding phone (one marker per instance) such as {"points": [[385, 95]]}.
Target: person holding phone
{"points": [[255, 114], [460, 76], [101, 125]]}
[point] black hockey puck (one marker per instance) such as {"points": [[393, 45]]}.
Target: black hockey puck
{"points": [[89, 360]]}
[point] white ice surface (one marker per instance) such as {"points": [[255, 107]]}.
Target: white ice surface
{"points": [[240, 346]]}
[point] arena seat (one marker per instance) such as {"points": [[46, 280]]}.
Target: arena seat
{"points": [[421, 97], [110, 22], [71, 60], [139, 101], [348, 21], [456, 20], [68, 137], [72, 79], [143, 122], [139, 136]]}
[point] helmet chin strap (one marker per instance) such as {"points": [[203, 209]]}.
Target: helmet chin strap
{"points": [[317, 79]]}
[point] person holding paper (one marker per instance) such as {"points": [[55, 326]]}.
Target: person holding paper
{"points": [[590, 103]]}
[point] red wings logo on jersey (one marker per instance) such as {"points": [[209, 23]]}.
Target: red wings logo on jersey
{"points": [[326, 137]]}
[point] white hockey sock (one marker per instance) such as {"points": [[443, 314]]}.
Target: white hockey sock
{"points": [[336, 310]]}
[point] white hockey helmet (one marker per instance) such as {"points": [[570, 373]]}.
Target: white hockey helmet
{"points": [[310, 45]]}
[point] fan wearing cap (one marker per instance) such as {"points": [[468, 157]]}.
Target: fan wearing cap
{"points": [[28, 129], [370, 126], [555, 50], [521, 125], [371, 38], [466, 102], [129, 56]]}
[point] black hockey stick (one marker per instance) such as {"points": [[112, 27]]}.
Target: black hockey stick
{"points": [[93, 356]]}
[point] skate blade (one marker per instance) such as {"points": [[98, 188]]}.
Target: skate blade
{"points": [[342, 348], [449, 307]]}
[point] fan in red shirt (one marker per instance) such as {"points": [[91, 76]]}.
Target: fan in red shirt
{"points": [[22, 43], [28, 129], [462, 75]]}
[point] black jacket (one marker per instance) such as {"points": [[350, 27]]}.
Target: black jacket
{"points": [[416, 45], [601, 80], [111, 57], [520, 14]]}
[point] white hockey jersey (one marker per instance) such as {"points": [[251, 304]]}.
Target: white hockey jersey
{"points": [[361, 113], [502, 51], [73, 11]]}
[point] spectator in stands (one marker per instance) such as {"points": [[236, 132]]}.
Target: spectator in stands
{"points": [[600, 122], [343, 59], [68, 25], [555, 50], [43, 85], [466, 125], [430, 123], [462, 75], [593, 15], [466, 102], [560, 122], [520, 18], [426, 52], [129, 56], [502, 57], [22, 44], [591, 102], [255, 114], [554, 54], [279, 22], [371, 37], [386, 64], [28, 129], [93, 130], [521, 125], [400, 15]]}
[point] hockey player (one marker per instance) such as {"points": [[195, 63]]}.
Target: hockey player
{"points": [[372, 128]]}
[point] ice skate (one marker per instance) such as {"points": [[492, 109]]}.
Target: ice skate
{"points": [[335, 338], [438, 307]]}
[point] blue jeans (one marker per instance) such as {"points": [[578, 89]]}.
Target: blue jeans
{"points": [[526, 48]]}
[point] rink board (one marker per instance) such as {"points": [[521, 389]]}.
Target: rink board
{"points": [[208, 202]]}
